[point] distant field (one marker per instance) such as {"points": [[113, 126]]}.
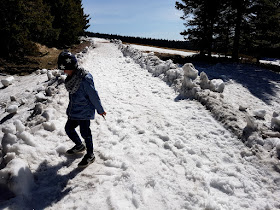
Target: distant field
{"points": [[165, 52]]}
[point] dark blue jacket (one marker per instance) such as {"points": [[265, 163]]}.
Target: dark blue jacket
{"points": [[84, 102]]}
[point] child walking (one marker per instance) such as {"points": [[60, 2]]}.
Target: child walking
{"points": [[83, 101]]}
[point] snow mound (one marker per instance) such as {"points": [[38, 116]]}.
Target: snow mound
{"points": [[217, 85], [259, 113], [190, 71], [275, 123], [19, 126], [40, 97], [49, 126], [12, 109], [18, 177], [27, 138], [9, 128], [8, 81]]}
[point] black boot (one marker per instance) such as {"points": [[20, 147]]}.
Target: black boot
{"points": [[76, 149], [87, 159]]}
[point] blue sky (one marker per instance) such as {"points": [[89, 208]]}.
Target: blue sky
{"points": [[144, 18]]}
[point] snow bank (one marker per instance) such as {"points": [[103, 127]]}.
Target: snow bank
{"points": [[29, 109], [168, 71], [31, 113], [16, 176], [18, 142], [190, 84], [81, 54]]}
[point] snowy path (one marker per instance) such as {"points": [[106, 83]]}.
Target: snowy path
{"points": [[156, 153], [153, 152]]}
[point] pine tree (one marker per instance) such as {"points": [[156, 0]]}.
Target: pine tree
{"points": [[241, 10], [52, 22], [22, 24], [69, 19], [39, 22], [265, 21], [13, 28], [239, 26], [200, 17], [223, 30]]}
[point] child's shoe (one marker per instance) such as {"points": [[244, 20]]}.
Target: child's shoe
{"points": [[87, 159], [76, 149]]}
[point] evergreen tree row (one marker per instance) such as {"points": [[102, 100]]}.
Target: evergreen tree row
{"points": [[233, 26], [55, 23], [146, 41]]}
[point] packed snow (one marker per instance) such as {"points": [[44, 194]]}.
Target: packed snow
{"points": [[171, 138]]}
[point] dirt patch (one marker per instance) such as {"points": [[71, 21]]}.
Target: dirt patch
{"points": [[46, 58], [78, 48]]}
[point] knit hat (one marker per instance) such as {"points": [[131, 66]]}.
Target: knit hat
{"points": [[67, 61]]}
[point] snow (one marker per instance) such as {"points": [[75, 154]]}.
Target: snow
{"points": [[275, 62], [162, 50], [153, 151], [259, 113], [275, 123], [190, 71], [18, 176], [12, 109], [7, 81]]}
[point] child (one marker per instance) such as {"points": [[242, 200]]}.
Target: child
{"points": [[83, 101]]}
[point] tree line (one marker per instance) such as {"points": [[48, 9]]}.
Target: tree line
{"points": [[232, 26], [55, 23], [145, 41]]}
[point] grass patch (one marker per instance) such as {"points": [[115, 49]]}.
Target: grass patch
{"points": [[45, 58]]}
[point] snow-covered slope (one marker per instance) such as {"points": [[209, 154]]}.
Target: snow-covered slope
{"points": [[162, 50], [153, 151]]}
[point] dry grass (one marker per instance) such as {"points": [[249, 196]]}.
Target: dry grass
{"points": [[46, 58]]}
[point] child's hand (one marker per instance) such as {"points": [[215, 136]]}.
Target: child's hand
{"points": [[103, 115]]}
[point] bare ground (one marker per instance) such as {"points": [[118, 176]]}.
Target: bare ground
{"points": [[45, 59]]}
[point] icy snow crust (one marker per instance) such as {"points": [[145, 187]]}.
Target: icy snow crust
{"points": [[153, 151]]}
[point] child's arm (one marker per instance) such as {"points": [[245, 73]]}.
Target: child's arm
{"points": [[93, 96]]}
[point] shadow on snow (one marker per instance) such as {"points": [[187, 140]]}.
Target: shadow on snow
{"points": [[50, 188], [259, 81]]}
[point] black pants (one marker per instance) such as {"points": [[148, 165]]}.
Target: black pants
{"points": [[84, 130]]}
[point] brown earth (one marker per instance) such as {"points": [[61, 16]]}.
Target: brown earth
{"points": [[46, 58]]}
